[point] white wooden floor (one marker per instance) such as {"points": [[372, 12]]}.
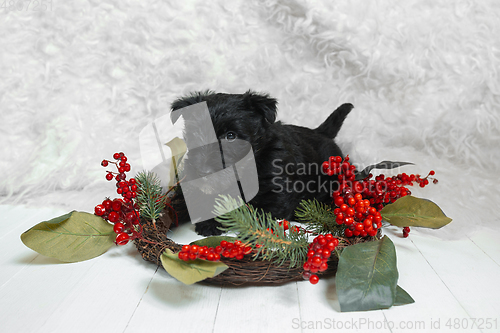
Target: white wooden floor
{"points": [[456, 286]]}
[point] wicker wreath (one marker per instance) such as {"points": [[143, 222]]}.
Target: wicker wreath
{"points": [[247, 271]]}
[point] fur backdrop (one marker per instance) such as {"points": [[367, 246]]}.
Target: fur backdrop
{"points": [[80, 80]]}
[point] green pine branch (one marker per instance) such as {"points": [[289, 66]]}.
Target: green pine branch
{"points": [[149, 195], [255, 227], [319, 217]]}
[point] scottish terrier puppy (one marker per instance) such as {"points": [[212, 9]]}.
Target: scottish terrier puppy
{"points": [[288, 158]]}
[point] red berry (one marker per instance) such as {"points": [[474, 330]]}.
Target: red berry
{"points": [[104, 163], [107, 204], [359, 227], [99, 210], [348, 233], [116, 156], [116, 205], [122, 238], [317, 261], [118, 227], [314, 279], [194, 249], [113, 217], [185, 248], [130, 216], [331, 246], [109, 176]]}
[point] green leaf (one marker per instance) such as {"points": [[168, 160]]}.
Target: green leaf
{"points": [[179, 148], [410, 211], [382, 165], [367, 276], [189, 272], [402, 297], [213, 241], [76, 236]]}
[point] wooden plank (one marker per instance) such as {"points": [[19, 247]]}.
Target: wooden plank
{"points": [[14, 255], [257, 309], [95, 295], [434, 302], [169, 305], [488, 241], [469, 274]]}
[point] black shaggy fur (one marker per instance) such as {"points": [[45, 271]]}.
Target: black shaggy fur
{"points": [[287, 157]]}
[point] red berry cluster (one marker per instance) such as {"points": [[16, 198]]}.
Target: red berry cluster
{"points": [[358, 203], [123, 213], [127, 189], [226, 249], [383, 191], [317, 257], [357, 214]]}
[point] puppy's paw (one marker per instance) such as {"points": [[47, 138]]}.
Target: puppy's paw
{"points": [[208, 228]]}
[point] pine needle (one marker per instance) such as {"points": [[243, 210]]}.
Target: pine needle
{"points": [[319, 217], [256, 227], [149, 197]]}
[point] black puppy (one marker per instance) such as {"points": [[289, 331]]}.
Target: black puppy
{"points": [[288, 158]]}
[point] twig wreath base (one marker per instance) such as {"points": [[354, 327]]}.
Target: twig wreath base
{"points": [[246, 271]]}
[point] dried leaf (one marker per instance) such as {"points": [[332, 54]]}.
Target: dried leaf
{"points": [[179, 148], [410, 211], [76, 236], [367, 276]]}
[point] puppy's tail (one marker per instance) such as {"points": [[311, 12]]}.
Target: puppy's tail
{"points": [[331, 126]]}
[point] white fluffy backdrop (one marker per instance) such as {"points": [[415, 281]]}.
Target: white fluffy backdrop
{"points": [[79, 82]]}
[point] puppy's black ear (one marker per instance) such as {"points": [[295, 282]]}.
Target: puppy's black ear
{"points": [[263, 104], [193, 98]]}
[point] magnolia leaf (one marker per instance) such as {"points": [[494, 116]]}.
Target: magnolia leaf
{"points": [[410, 211], [367, 276], [189, 272], [382, 165], [213, 241], [402, 297], [179, 148], [76, 236]]}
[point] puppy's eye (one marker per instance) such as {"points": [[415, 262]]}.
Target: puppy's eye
{"points": [[230, 136]]}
